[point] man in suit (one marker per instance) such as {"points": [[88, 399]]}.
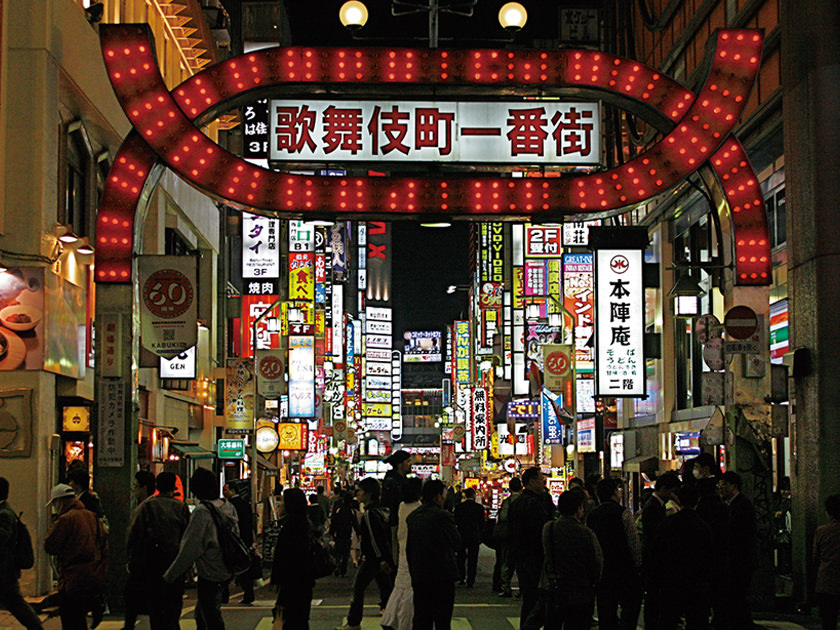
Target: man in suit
{"points": [[742, 549], [469, 517], [653, 514], [433, 541]]}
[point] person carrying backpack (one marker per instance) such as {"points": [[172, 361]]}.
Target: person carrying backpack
{"points": [[201, 546], [10, 597]]}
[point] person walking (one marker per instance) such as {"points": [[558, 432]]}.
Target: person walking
{"points": [[431, 546], [291, 570], [377, 555], [742, 550], [399, 612], [154, 538], [502, 534], [684, 535], [342, 522], [78, 540], [78, 478], [245, 519], [714, 513], [392, 490], [572, 566], [528, 514], [653, 513], [827, 558], [200, 547], [615, 528], [470, 518], [10, 597]]}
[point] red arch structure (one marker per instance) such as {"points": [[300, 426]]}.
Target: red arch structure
{"points": [[697, 130]]}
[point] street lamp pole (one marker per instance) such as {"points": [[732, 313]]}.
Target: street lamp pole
{"points": [[258, 319]]}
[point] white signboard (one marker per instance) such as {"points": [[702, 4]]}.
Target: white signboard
{"points": [[620, 322], [515, 444], [379, 341], [182, 366], [168, 304], [338, 319], [378, 382], [478, 132], [586, 435], [378, 313], [396, 398], [374, 327], [301, 236], [378, 369], [260, 249], [480, 412], [378, 355], [110, 450], [301, 377]]}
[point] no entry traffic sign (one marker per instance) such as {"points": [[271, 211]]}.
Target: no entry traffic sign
{"points": [[740, 322]]}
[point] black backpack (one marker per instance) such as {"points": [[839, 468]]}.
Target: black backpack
{"points": [[235, 553], [24, 554]]}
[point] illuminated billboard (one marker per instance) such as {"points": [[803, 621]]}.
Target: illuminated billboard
{"points": [[423, 346]]}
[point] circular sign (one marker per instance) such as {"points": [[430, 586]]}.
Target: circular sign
{"points": [[270, 367], [510, 466], [557, 363], [459, 431], [706, 327], [267, 439], [740, 322], [713, 354], [619, 264], [167, 293], [340, 426]]}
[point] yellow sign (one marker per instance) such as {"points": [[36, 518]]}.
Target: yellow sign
{"points": [[472, 482], [292, 436], [75, 419], [377, 410]]}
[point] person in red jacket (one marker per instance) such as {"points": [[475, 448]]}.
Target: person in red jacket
{"points": [[78, 540]]}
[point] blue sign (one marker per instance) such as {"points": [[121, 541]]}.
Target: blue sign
{"points": [[552, 428]]}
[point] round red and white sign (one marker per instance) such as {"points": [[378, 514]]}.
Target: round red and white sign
{"points": [[740, 322], [459, 431], [167, 293], [557, 363], [270, 367]]}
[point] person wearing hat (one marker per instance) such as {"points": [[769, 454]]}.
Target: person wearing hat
{"points": [[78, 540], [392, 491]]}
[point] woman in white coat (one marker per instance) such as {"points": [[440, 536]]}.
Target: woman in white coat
{"points": [[400, 609]]}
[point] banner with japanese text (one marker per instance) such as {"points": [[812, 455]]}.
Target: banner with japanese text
{"points": [[168, 303], [301, 376], [475, 132], [462, 353], [481, 412], [579, 300], [260, 246], [239, 396]]}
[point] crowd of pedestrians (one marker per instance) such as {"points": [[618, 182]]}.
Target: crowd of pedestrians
{"points": [[584, 557]]}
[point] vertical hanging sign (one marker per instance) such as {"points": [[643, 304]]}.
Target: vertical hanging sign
{"points": [[462, 352], [480, 423], [260, 251], [620, 315], [301, 376], [168, 304]]}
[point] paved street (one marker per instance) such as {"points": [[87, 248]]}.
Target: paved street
{"points": [[475, 609]]}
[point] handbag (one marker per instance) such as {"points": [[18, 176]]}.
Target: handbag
{"points": [[235, 553]]}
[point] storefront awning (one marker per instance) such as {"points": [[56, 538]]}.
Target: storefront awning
{"points": [[193, 451], [641, 464]]}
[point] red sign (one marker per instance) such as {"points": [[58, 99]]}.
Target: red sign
{"points": [[543, 242], [447, 455], [740, 322], [270, 367], [167, 293], [557, 363]]}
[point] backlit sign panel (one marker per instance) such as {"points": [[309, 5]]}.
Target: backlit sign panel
{"points": [[260, 246], [422, 346], [476, 132], [301, 377]]}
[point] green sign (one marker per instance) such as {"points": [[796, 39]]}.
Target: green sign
{"points": [[231, 449]]}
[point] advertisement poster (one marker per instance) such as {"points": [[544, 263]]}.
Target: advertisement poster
{"points": [[552, 428], [271, 373], [239, 396], [423, 346], [586, 435], [168, 304], [65, 329], [302, 276], [22, 319]]}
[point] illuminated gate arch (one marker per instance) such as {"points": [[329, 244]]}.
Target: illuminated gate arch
{"points": [[697, 130]]}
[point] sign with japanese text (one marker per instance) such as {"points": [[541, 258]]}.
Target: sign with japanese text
{"points": [[515, 443], [378, 264], [252, 307], [109, 336], [239, 396], [110, 450], [302, 276], [423, 346], [528, 410], [481, 412], [260, 246], [271, 373], [559, 375], [301, 236], [255, 130], [543, 241], [586, 435], [576, 234], [491, 252], [293, 436], [476, 132], [168, 304], [230, 448], [579, 300], [301, 377], [620, 322], [462, 352], [396, 396], [552, 428]]}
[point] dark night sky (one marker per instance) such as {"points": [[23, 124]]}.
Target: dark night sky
{"points": [[425, 262]]}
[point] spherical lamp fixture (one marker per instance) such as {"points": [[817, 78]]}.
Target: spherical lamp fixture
{"points": [[512, 16], [353, 14]]}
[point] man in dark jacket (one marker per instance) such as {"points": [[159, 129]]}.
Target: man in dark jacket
{"points": [[502, 535], [10, 597], [528, 514], [653, 513], [470, 518], [77, 539], [615, 528], [432, 543], [686, 536], [377, 558], [392, 488], [742, 550], [715, 514], [246, 533]]}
